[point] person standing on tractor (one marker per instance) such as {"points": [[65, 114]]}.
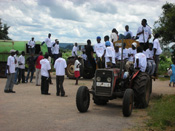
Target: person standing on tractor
{"points": [[144, 33], [140, 60], [89, 53], [55, 49], [99, 49], [106, 38], [31, 46], [150, 60], [74, 50], [131, 55], [48, 43], [157, 52], [117, 56]]}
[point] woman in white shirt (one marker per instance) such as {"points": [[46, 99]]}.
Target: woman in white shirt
{"points": [[157, 52]]}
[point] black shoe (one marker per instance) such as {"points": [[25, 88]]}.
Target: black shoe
{"points": [[10, 91], [6, 91]]}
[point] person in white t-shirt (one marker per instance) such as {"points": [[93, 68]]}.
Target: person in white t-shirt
{"points": [[74, 50], [21, 67], [83, 55], [31, 46], [128, 34], [151, 65], [117, 56], [77, 69], [157, 51], [16, 67], [55, 49], [131, 53], [114, 35], [144, 34], [125, 53], [11, 61], [109, 55], [48, 43], [106, 38], [140, 60], [99, 49], [45, 74], [60, 66]]}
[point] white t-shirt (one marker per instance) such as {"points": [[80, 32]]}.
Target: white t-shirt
{"points": [[22, 61], [142, 61], [147, 32], [110, 52], [17, 59], [48, 42], [74, 50], [125, 53], [128, 32], [55, 49], [31, 44], [99, 49], [117, 55], [75, 65], [156, 45], [60, 65], [114, 37], [45, 66], [11, 64], [133, 52], [149, 53]]}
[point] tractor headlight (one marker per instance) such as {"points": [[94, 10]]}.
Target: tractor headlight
{"points": [[109, 79], [98, 78]]}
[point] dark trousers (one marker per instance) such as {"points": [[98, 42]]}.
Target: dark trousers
{"points": [[32, 72], [49, 51], [55, 56], [101, 62], [21, 75], [59, 84], [92, 61], [44, 85], [144, 46]]}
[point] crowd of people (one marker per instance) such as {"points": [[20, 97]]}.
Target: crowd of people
{"points": [[143, 56]]}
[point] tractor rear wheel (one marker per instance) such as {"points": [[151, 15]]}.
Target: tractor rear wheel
{"points": [[128, 100], [82, 99], [70, 68], [141, 89]]}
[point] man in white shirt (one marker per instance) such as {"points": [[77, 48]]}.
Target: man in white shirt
{"points": [[11, 61], [140, 60], [99, 49], [21, 67], [74, 50], [45, 74], [144, 33], [151, 65], [55, 49], [16, 67], [48, 43], [128, 34], [131, 53], [60, 65], [31, 46], [106, 38]]}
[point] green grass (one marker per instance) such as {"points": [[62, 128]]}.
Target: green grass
{"points": [[162, 113], [164, 78]]}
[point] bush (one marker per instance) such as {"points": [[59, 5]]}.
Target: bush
{"points": [[164, 64]]}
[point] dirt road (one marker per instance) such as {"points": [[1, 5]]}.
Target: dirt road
{"points": [[28, 110]]}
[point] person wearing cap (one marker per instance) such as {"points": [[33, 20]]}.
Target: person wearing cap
{"points": [[55, 49], [109, 55], [106, 38], [131, 55], [151, 65], [11, 61], [21, 67], [48, 43], [45, 74], [31, 46], [99, 49], [60, 66], [74, 50], [144, 34]]}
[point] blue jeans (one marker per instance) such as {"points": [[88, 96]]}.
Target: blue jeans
{"points": [[28, 73], [16, 74]]}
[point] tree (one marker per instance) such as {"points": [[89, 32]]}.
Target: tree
{"points": [[165, 26], [4, 31]]}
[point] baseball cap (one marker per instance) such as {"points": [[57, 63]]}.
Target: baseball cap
{"points": [[98, 37], [107, 43]]}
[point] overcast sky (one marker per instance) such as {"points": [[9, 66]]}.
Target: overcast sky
{"points": [[76, 20]]}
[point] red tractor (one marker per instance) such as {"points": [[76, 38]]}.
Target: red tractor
{"points": [[134, 87]]}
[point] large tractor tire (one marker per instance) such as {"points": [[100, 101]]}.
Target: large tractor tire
{"points": [[82, 99], [70, 68], [99, 101], [128, 101], [141, 89]]}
